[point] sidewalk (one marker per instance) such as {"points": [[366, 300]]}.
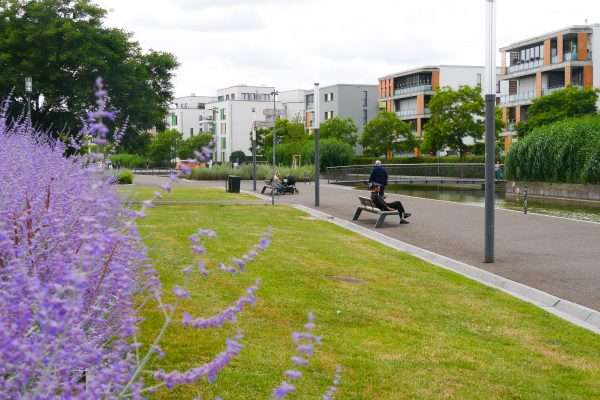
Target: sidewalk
{"points": [[555, 255]]}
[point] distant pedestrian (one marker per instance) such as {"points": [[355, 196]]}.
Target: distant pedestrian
{"points": [[379, 175]]}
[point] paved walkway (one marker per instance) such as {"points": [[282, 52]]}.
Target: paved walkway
{"points": [[556, 255]]}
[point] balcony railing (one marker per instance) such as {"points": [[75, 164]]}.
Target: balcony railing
{"points": [[406, 113], [546, 91], [525, 65], [554, 59], [426, 110], [511, 126], [518, 97], [589, 57], [310, 106], [570, 56], [412, 89]]}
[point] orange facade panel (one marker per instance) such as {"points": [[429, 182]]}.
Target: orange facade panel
{"points": [[559, 48], [547, 52], [567, 75], [503, 62], [435, 79], [505, 115], [308, 119], [390, 106], [420, 104], [517, 113], [582, 46], [588, 77]]}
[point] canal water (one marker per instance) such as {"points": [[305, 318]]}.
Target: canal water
{"points": [[475, 195]]}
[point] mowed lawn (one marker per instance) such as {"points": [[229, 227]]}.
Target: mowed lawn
{"points": [[408, 330], [140, 193]]}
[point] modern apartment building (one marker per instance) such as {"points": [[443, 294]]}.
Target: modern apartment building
{"points": [[191, 115], [235, 114], [293, 103], [539, 65], [358, 102], [408, 93]]}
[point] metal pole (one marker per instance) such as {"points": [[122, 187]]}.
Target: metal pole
{"points": [[274, 93], [254, 149], [317, 150], [490, 128]]}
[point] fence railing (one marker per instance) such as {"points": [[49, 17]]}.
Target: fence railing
{"points": [[409, 172]]}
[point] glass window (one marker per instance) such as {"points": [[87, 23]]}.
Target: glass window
{"points": [[222, 113], [365, 117], [226, 97], [232, 96], [201, 106], [223, 143], [173, 120], [365, 93], [191, 132]]}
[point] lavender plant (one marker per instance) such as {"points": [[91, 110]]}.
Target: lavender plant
{"points": [[73, 267]]}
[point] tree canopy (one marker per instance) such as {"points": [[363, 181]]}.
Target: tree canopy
{"points": [[341, 129], [288, 132], [386, 132], [164, 148], [455, 115], [187, 146], [572, 101], [64, 47]]}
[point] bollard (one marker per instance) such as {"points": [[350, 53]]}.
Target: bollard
{"points": [[525, 200]]}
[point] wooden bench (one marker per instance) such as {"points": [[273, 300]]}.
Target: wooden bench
{"points": [[368, 205]]}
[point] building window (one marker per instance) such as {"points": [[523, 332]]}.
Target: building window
{"points": [[479, 80], [226, 97], [221, 98], [222, 113], [223, 128], [191, 132], [173, 120], [365, 93], [223, 143], [328, 97], [365, 115], [232, 96], [497, 86], [328, 115]]}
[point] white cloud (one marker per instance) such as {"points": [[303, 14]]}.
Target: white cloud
{"points": [[291, 43]]}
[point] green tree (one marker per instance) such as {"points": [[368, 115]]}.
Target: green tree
{"points": [[341, 129], [187, 146], [455, 115], [386, 132], [288, 132], [164, 148], [573, 101], [64, 47]]}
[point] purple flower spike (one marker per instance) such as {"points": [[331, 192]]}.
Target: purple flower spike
{"points": [[199, 249], [283, 390], [179, 292], [299, 361], [158, 195], [194, 239], [165, 186], [148, 203], [293, 374]]}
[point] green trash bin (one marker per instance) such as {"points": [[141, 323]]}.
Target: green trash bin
{"points": [[233, 183]]}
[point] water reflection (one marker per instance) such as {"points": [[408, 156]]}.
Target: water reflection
{"points": [[474, 194]]}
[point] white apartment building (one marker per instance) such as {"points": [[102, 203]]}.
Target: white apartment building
{"points": [[294, 105], [237, 109], [191, 115]]}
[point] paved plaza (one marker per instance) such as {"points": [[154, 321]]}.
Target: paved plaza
{"points": [[556, 255]]}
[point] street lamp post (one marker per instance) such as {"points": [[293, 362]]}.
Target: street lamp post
{"points": [[28, 90], [317, 149], [490, 126], [214, 121], [254, 148], [274, 93]]}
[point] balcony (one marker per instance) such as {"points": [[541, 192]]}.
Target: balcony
{"points": [[546, 91], [518, 97], [411, 89], [511, 126], [570, 56], [521, 66], [407, 113], [310, 106]]}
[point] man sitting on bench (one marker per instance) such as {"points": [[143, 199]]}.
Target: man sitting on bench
{"points": [[384, 206]]}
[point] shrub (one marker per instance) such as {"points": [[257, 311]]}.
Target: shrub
{"points": [[566, 151], [238, 156], [124, 177], [128, 160], [263, 171], [367, 160]]}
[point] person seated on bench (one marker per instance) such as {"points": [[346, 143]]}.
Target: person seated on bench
{"points": [[384, 206]]}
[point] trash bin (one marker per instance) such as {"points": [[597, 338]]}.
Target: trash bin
{"points": [[233, 183]]}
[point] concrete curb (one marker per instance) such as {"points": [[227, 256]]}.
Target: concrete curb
{"points": [[577, 314]]}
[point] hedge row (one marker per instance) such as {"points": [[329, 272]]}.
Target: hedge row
{"points": [[332, 153], [566, 151], [263, 171], [366, 160], [127, 160]]}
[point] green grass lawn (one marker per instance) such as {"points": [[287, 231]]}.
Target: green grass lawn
{"points": [[409, 331], [184, 194]]}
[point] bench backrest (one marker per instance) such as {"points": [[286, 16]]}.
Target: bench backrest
{"points": [[368, 203]]}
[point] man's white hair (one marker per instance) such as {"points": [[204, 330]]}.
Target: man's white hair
{"points": [[377, 162]]}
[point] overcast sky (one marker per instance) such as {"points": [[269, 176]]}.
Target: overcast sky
{"points": [[290, 44]]}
